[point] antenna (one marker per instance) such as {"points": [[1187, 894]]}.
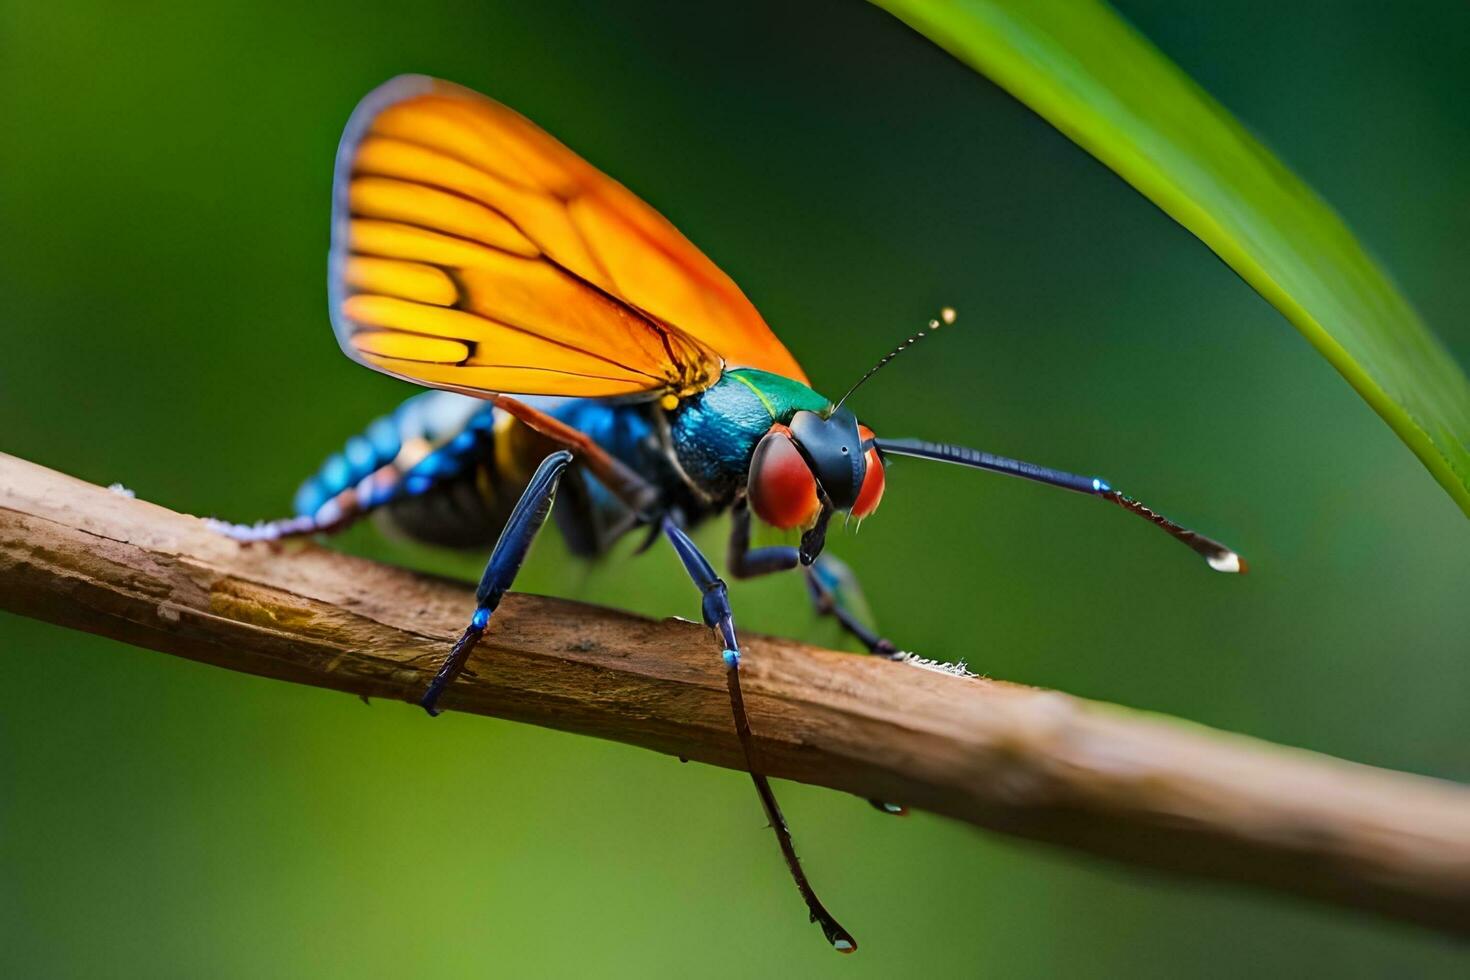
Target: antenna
{"points": [[946, 318], [1219, 557]]}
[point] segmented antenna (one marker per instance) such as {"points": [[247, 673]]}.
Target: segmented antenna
{"points": [[946, 318]]}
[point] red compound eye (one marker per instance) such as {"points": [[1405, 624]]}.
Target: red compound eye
{"points": [[782, 490], [873, 481]]}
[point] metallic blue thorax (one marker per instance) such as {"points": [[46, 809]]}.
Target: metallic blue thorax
{"points": [[715, 432]]}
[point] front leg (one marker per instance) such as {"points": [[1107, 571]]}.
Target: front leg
{"points": [[830, 584], [745, 563], [826, 579], [505, 561]]}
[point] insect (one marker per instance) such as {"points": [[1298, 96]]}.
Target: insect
{"points": [[580, 344]]}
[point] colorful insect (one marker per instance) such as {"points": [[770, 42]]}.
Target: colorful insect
{"points": [[473, 253]]}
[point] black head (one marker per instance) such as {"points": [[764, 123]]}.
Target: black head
{"points": [[833, 449]]}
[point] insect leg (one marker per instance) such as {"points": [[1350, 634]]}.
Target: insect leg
{"points": [[826, 578], [718, 614], [505, 561], [745, 563]]}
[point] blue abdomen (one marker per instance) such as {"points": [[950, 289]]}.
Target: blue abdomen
{"points": [[429, 437], [447, 470]]}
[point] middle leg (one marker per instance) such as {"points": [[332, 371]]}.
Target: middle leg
{"points": [[718, 614]]}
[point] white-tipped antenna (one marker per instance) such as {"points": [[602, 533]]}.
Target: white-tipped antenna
{"points": [[946, 318]]}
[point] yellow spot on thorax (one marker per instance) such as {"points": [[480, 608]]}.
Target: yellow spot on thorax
{"points": [[669, 402]]}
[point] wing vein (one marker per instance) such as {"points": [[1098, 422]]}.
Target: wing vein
{"points": [[552, 261]]}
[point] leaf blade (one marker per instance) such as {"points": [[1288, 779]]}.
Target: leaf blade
{"points": [[1081, 67]]}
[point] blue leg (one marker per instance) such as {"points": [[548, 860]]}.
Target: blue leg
{"points": [[718, 614], [505, 561], [747, 563], [825, 579]]}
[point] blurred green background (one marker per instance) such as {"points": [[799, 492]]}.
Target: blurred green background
{"points": [[164, 175]]}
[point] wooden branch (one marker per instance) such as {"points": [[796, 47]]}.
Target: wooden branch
{"points": [[1037, 764]]}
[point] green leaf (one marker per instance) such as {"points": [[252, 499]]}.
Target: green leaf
{"points": [[1090, 74]]}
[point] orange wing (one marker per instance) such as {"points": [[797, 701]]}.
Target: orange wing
{"points": [[472, 251]]}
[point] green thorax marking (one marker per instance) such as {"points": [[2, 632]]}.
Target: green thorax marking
{"points": [[779, 395]]}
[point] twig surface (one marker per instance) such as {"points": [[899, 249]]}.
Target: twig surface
{"points": [[1039, 764]]}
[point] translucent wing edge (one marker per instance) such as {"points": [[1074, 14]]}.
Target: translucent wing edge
{"points": [[392, 91]]}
